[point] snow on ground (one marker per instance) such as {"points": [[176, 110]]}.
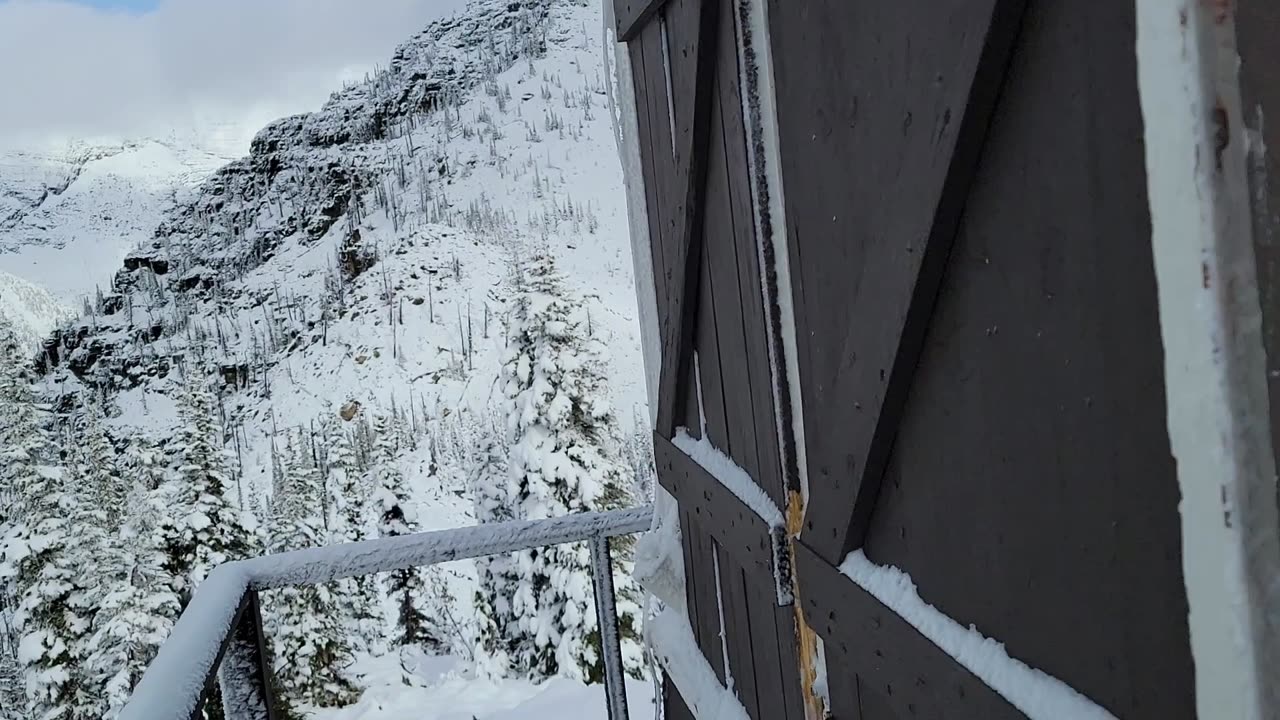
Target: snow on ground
{"points": [[445, 689]]}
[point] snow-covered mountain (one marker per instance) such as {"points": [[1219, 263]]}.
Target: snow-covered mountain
{"points": [[366, 260], [69, 215], [29, 310], [361, 254]]}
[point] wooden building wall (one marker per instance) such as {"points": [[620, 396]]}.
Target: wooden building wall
{"points": [[968, 242]]}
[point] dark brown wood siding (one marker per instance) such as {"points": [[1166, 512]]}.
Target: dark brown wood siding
{"points": [[979, 355], [728, 354], [1015, 461], [1257, 27]]}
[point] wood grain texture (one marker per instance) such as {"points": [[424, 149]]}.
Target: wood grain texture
{"points": [[911, 675], [882, 111], [631, 16], [1032, 461], [691, 39], [1257, 26], [728, 520]]}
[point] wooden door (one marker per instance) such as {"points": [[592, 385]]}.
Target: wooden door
{"points": [[979, 350], [966, 236], [716, 382]]}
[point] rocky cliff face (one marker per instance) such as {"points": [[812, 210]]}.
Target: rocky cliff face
{"points": [[359, 256]]}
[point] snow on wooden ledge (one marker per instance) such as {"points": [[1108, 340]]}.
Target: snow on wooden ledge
{"points": [[1038, 695], [733, 477]]}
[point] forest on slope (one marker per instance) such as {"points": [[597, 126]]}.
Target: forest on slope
{"points": [[411, 309]]}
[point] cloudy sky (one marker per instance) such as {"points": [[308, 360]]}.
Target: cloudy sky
{"points": [[148, 67]]}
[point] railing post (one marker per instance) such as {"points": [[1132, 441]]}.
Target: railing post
{"points": [[607, 616], [245, 673]]}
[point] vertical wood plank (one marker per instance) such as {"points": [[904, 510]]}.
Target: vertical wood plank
{"points": [[708, 609], [713, 395], [722, 259], [691, 34], [746, 254], [646, 117], [688, 545], [1257, 26], [770, 667], [742, 661], [883, 109]]}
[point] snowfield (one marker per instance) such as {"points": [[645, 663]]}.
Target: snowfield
{"points": [[446, 689]]}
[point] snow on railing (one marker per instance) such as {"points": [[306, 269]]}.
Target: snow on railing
{"points": [[219, 635]]}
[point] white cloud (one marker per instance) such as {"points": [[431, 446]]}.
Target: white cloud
{"points": [[67, 70]]}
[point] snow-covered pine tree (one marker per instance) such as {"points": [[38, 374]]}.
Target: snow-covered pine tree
{"points": [[498, 638], [139, 607], [565, 458], [394, 508], [359, 599], [101, 466], [309, 642], [96, 500], [13, 698], [38, 549], [202, 528]]}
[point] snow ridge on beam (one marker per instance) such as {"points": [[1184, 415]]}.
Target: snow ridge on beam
{"points": [[1039, 695]]}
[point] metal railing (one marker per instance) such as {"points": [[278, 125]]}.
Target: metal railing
{"points": [[219, 637]]}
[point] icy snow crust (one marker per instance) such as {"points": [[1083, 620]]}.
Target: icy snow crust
{"points": [[1040, 696]]}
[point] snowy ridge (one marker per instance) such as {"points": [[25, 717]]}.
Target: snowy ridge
{"points": [[362, 254], [1040, 696], [69, 217], [733, 477], [30, 311]]}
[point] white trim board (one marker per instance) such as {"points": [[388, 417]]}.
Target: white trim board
{"points": [[1211, 323]]}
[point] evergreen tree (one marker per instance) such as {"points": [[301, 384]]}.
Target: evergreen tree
{"points": [[203, 528], [497, 632], [39, 548], [101, 472], [96, 497], [312, 653], [565, 458], [13, 698], [359, 601], [407, 587], [139, 608]]}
